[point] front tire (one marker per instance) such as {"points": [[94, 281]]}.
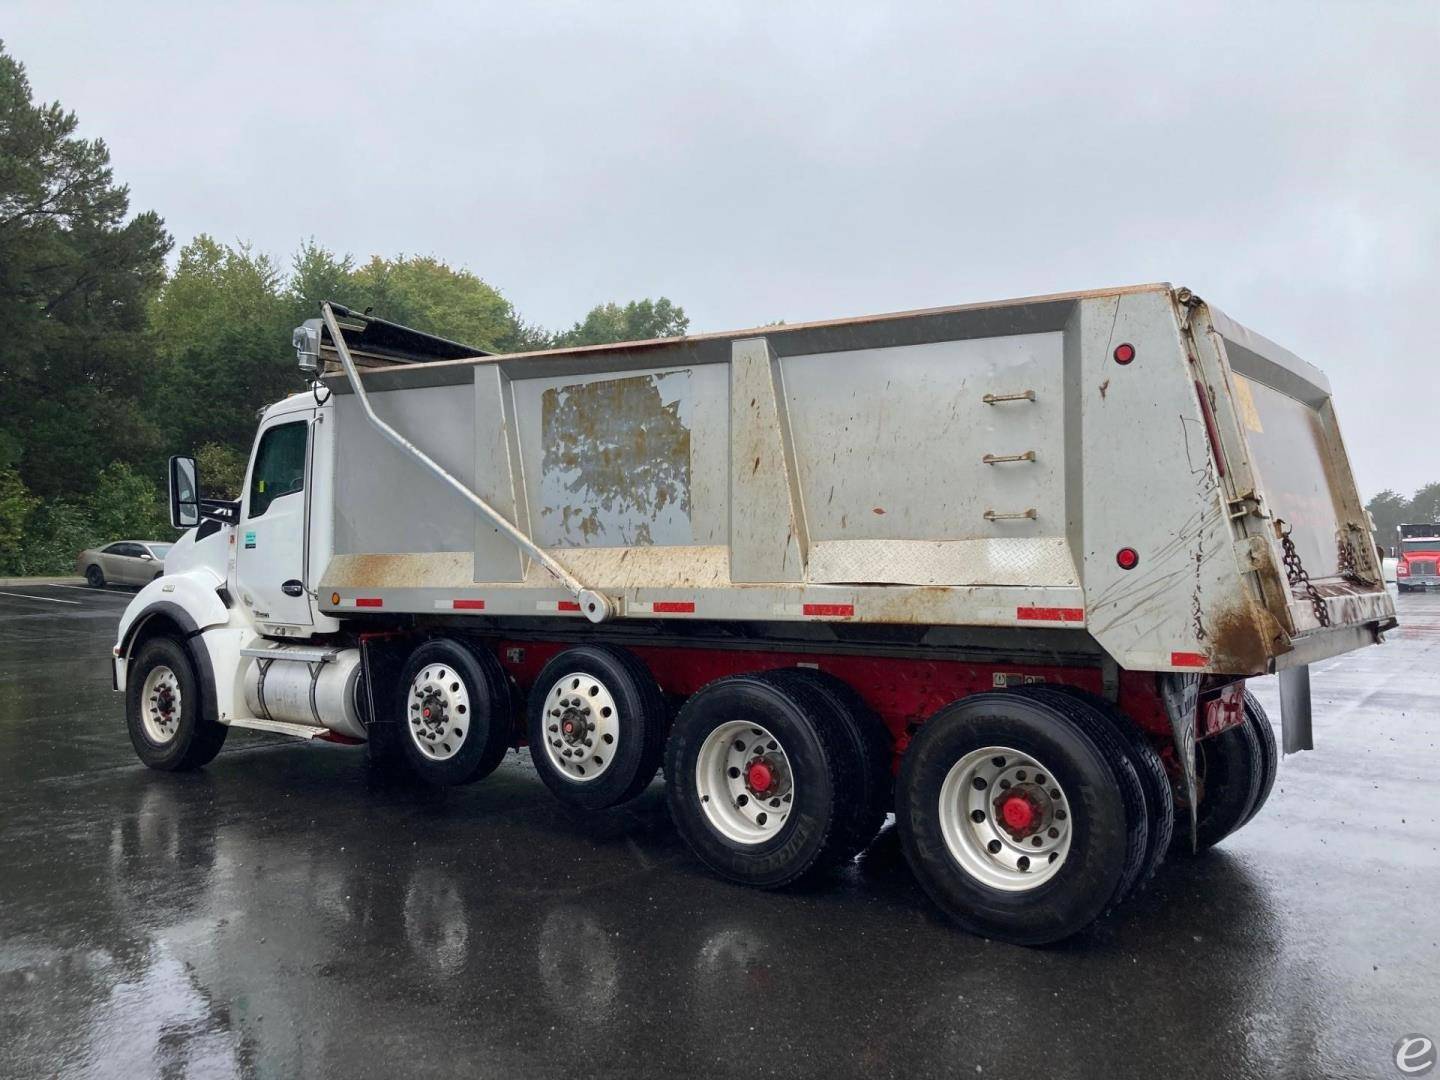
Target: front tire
{"points": [[1009, 854], [456, 712], [165, 712]]}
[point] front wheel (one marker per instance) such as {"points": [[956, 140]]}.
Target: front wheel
{"points": [[165, 711], [95, 577]]}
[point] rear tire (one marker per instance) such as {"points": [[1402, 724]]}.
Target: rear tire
{"points": [[165, 711], [979, 862], [1256, 717], [456, 712], [1149, 768], [758, 779], [94, 577], [869, 739], [617, 718], [1228, 769]]}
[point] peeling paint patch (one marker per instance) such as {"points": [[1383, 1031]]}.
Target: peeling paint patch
{"points": [[616, 466]]}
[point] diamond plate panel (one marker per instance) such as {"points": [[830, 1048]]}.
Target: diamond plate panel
{"points": [[988, 561]]}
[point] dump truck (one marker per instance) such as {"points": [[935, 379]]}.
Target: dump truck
{"points": [[1000, 570], [1418, 566]]}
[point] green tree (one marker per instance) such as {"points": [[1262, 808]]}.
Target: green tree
{"points": [[1388, 509], [317, 275], [1425, 506], [424, 293], [222, 326], [126, 504], [76, 275], [221, 469], [639, 320], [16, 507]]}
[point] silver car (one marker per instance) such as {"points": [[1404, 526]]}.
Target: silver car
{"points": [[125, 562]]}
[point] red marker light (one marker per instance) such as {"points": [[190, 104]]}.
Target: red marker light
{"points": [[1127, 558], [1124, 353]]}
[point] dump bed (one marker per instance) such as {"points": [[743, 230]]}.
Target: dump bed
{"points": [[1127, 464]]}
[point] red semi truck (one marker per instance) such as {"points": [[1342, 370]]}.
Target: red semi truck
{"points": [[1418, 560]]}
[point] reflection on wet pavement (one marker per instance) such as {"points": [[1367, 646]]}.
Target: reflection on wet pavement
{"points": [[288, 912]]}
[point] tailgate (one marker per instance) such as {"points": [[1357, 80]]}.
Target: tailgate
{"points": [[1292, 492]]}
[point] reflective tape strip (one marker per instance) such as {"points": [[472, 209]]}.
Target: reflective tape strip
{"points": [[829, 611], [1188, 659], [460, 605], [369, 601], [661, 607], [1050, 614], [557, 605]]}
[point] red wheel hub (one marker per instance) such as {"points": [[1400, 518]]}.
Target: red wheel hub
{"points": [[569, 727], [1018, 813], [759, 776]]}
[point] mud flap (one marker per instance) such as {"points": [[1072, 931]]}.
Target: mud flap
{"points": [[1182, 699], [382, 656], [1295, 730]]}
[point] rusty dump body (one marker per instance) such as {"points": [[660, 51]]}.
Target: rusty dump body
{"points": [[1124, 470]]}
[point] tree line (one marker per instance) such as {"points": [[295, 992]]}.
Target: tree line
{"points": [[110, 359], [1391, 509]]}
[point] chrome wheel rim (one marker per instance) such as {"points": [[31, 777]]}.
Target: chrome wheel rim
{"points": [[745, 782], [161, 705], [438, 708], [582, 727], [1005, 819]]}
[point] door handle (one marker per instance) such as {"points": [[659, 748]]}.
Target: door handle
{"points": [[293, 587]]}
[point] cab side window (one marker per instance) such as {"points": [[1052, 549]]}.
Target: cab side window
{"points": [[279, 465]]}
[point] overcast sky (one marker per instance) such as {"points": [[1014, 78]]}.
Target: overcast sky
{"points": [[776, 161]]}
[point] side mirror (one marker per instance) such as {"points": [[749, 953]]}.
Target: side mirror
{"points": [[184, 493]]}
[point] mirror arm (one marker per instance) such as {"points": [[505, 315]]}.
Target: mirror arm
{"points": [[221, 510]]}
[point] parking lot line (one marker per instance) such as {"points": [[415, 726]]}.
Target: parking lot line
{"points": [[27, 596], [82, 588]]}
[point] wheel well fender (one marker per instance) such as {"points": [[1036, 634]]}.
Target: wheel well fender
{"points": [[164, 619]]}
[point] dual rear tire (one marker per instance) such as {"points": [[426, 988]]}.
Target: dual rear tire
{"points": [[1023, 814], [775, 776], [1235, 773], [1026, 815]]}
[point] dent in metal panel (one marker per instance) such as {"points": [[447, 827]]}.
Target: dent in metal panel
{"points": [[615, 469], [767, 533]]}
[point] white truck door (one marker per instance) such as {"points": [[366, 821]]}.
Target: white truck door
{"points": [[270, 571]]}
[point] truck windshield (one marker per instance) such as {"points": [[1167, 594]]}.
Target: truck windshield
{"points": [[1411, 546]]}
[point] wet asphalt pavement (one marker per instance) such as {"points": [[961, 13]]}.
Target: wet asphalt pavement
{"points": [[287, 912]]}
